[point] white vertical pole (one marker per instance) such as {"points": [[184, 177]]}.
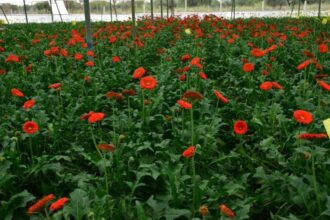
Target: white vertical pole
{"points": [[220, 5], [185, 5], [263, 5], [305, 5], [88, 27]]}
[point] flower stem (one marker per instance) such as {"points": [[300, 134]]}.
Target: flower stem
{"points": [[193, 180], [315, 185], [104, 162], [31, 149]]}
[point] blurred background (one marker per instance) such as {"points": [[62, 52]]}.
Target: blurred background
{"points": [[101, 10]]}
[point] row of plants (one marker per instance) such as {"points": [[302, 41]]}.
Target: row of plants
{"points": [[193, 118]]}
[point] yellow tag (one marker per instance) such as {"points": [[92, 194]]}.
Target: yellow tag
{"points": [[188, 31], [73, 23], [324, 21], [327, 126]]}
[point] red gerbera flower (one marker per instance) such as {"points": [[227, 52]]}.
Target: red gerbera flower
{"points": [[312, 136], [184, 104], [12, 58], [78, 56], [248, 67], [277, 85], [323, 48], [202, 75], [324, 85], [220, 97], [129, 92], [89, 63], [29, 104], [266, 86], [192, 95], [185, 57], [304, 64], [256, 52], [227, 211], [138, 73], [17, 93], [58, 204], [40, 204], [95, 117], [114, 95], [303, 117], [240, 127], [86, 115], [115, 59], [106, 147], [189, 152], [30, 127], [148, 83], [54, 86]]}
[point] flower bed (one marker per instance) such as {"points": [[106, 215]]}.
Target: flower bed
{"points": [[194, 118]]}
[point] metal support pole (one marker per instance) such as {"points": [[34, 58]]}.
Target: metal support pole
{"points": [[161, 9], [172, 8], [58, 10], [299, 4], [4, 14], [319, 14], [88, 28], [51, 10], [152, 9], [133, 19], [220, 5], [167, 9], [26, 17], [110, 11], [185, 5]]}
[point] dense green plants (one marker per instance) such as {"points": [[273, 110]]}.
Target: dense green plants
{"points": [[185, 119]]}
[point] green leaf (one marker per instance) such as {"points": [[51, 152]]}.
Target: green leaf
{"points": [[79, 204]]}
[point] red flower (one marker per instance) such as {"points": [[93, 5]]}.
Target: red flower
{"points": [[312, 136], [248, 67], [227, 211], [12, 58], [256, 52], [55, 86], [58, 204], [89, 63], [304, 64], [95, 117], [115, 59], [192, 95], [112, 39], [106, 147], [64, 53], [148, 83], [189, 152], [40, 204], [129, 92], [28, 68], [90, 53], [78, 56], [86, 115], [30, 127], [17, 93], [202, 75], [277, 85], [323, 48], [184, 104], [185, 57], [195, 61], [114, 95], [138, 73], [182, 77], [29, 104], [324, 85], [220, 97], [303, 117], [240, 127], [266, 86]]}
